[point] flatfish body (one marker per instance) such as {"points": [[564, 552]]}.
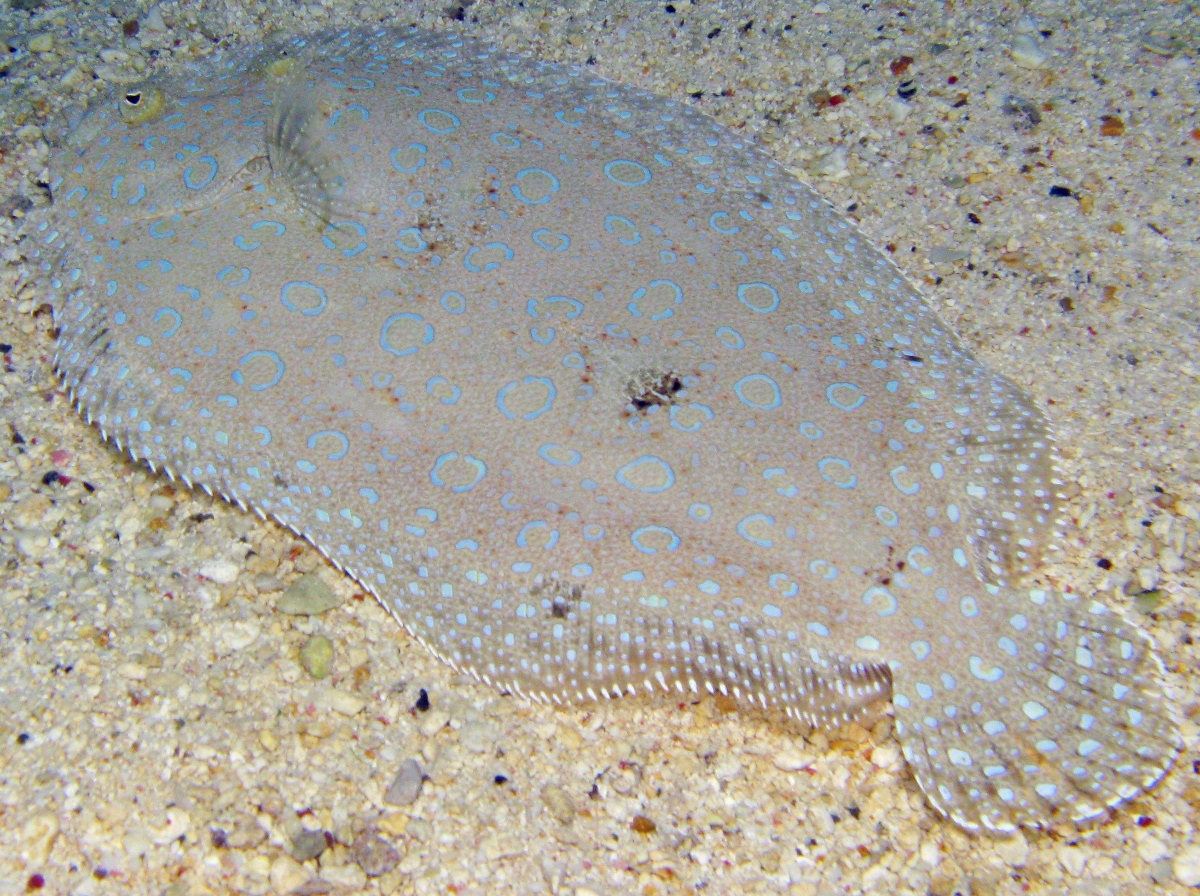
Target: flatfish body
{"points": [[595, 398]]}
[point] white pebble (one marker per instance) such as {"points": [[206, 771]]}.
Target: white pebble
{"points": [[1170, 561], [832, 163], [898, 109], [220, 571], [835, 65], [38, 836], [41, 43], [153, 20], [178, 824], [1025, 25], [435, 720], [1152, 850], [1014, 850], [406, 786], [1186, 866], [790, 759], [287, 874], [1026, 53], [345, 703]]}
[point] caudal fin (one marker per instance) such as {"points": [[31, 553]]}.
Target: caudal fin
{"points": [[1060, 721]]}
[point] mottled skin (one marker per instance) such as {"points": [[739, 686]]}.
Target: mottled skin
{"points": [[595, 399]]}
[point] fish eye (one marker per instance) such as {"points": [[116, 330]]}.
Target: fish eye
{"points": [[141, 104]]}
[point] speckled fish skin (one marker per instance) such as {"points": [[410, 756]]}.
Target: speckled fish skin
{"points": [[596, 399]]}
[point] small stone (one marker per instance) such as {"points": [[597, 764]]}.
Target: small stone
{"points": [[41, 43], [1111, 126], [374, 855], [316, 656], [406, 786], [307, 596], [287, 874], [177, 826], [1170, 561], [29, 133], [947, 254], [1152, 850], [38, 836], [836, 66], [435, 720], [791, 759], [223, 572], [1014, 850], [559, 804], [308, 845], [1026, 53], [269, 740], [832, 163], [1186, 866], [478, 736], [345, 703], [348, 877], [153, 20], [643, 825], [886, 755]]}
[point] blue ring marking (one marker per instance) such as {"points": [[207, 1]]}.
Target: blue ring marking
{"points": [[531, 305], [744, 289], [887, 516], [428, 113], [193, 184], [435, 473], [491, 265], [783, 584], [644, 172], [700, 512], [436, 381], [341, 437], [742, 528], [224, 273], [548, 452], [240, 242], [529, 172], [593, 532], [804, 286], [539, 237], [728, 230], [544, 337], [111, 287], [561, 116], [826, 462], [116, 185], [453, 302], [426, 336], [740, 386], [325, 238], [647, 530], [523, 535], [730, 338], [552, 393], [404, 246], [279, 368], [810, 430], [265, 433], [420, 147], [370, 494], [471, 95], [505, 141], [573, 360], [824, 569], [641, 292], [911, 489], [172, 313], [141, 194], [702, 408], [622, 475], [407, 90], [628, 241], [190, 291], [859, 398], [180, 372], [82, 191], [284, 296]]}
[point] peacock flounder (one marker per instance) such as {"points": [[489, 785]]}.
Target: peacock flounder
{"points": [[595, 399]]}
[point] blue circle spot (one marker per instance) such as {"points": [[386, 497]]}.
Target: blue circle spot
{"points": [[438, 120], [505, 141], [810, 430], [887, 516], [760, 297], [649, 475], [559, 456], [627, 227], [246, 359], [533, 413], [341, 438], [435, 475], [316, 302], [846, 396], [837, 471], [541, 189], [195, 182], [758, 391], [743, 529], [224, 275], [419, 333], [643, 541], [730, 338], [394, 155], [719, 221], [627, 173], [640, 294], [454, 302], [475, 95], [550, 241]]}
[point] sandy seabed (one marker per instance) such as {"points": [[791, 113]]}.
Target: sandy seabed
{"points": [[158, 732]]}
